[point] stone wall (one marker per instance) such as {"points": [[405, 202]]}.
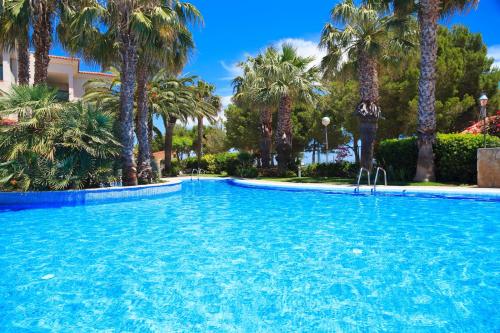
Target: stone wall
{"points": [[488, 167]]}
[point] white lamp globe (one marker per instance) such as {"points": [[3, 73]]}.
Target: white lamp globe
{"points": [[325, 121], [483, 100]]}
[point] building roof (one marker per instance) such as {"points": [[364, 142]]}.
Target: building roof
{"points": [[77, 60]]}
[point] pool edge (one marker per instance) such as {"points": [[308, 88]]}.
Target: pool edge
{"points": [[26, 200]]}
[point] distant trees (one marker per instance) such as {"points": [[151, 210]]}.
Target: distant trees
{"points": [[362, 37], [464, 70]]}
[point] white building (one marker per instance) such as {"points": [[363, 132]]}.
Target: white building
{"points": [[63, 73]]}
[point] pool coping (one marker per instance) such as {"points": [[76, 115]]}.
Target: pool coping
{"points": [[430, 191], [22, 200]]}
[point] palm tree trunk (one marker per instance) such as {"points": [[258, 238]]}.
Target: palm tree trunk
{"points": [[368, 110], [23, 60], [428, 17], [199, 146], [43, 11], [266, 123], [284, 133], [314, 153], [144, 170], [128, 53], [355, 149], [169, 135]]}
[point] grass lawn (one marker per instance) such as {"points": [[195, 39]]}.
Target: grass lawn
{"points": [[337, 181], [349, 181]]}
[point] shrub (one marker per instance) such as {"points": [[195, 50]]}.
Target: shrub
{"points": [[55, 146], [248, 172], [338, 169], [398, 157], [220, 163], [455, 157]]}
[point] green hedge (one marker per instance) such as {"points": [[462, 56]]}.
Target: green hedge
{"points": [[234, 164], [338, 169], [455, 156]]}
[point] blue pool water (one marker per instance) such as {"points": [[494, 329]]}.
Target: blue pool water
{"points": [[221, 258]]}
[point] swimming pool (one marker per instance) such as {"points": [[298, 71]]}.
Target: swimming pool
{"points": [[219, 257]]}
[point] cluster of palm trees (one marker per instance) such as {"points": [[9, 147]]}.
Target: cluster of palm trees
{"points": [[380, 30], [147, 40], [273, 81]]}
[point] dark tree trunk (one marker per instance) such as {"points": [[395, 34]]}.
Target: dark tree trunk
{"points": [[144, 170], [368, 131], [169, 135], [128, 53], [266, 139], [43, 11], [199, 146], [355, 147], [284, 134], [150, 132], [314, 153], [368, 110], [428, 17], [23, 60]]}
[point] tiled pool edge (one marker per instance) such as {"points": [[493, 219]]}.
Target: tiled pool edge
{"points": [[446, 192], [83, 197]]}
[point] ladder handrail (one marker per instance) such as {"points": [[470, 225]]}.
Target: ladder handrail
{"points": [[198, 172], [376, 178], [361, 174]]}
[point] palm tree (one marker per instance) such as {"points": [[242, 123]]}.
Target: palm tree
{"points": [[96, 30], [246, 89], [15, 21], [172, 99], [43, 12], [292, 79], [204, 97], [54, 145], [367, 36], [429, 12], [167, 46]]}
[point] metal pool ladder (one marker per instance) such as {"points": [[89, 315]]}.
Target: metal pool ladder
{"points": [[197, 172], [376, 178], [359, 178]]}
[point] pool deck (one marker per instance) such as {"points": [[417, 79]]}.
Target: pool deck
{"points": [[430, 190]]}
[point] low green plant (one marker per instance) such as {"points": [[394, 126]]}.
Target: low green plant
{"points": [[54, 146], [455, 157], [338, 169]]}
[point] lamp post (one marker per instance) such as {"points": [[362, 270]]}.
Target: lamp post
{"points": [[483, 101], [326, 121]]}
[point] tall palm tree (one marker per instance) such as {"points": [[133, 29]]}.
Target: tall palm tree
{"points": [[167, 46], [95, 31], [292, 79], [43, 12], [429, 12], [15, 20], [204, 96], [247, 89], [366, 37], [172, 99]]}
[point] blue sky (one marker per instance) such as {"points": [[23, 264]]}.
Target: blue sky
{"points": [[236, 28]]}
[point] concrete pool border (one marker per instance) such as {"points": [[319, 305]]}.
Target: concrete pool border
{"points": [[21, 200], [428, 191]]}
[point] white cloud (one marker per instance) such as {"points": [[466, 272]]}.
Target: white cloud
{"points": [[233, 70], [305, 48], [225, 101], [494, 52]]}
